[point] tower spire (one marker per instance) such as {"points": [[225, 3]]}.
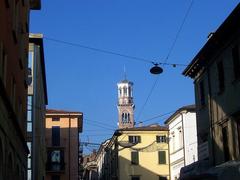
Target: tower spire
{"points": [[125, 74]]}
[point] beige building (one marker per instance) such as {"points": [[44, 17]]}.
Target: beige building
{"points": [[138, 153], [36, 108], [14, 29], [62, 141], [216, 73]]}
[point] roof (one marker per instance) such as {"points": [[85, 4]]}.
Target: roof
{"points": [[56, 111], [188, 108], [146, 128], [126, 81], [227, 30]]}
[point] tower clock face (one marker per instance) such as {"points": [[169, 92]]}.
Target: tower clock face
{"points": [[55, 156]]}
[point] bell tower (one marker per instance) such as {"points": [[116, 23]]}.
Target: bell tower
{"points": [[125, 104]]}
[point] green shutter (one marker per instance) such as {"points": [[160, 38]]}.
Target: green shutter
{"points": [[162, 157], [134, 157]]}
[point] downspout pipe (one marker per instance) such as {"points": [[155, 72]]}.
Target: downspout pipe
{"points": [[184, 153]]}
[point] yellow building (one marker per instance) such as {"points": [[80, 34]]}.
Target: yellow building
{"points": [[143, 153]]}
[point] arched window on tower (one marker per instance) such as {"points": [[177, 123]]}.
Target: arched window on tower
{"points": [[129, 91], [125, 117], [120, 92], [125, 91]]}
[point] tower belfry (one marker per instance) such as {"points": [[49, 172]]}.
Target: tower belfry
{"points": [[125, 104]]}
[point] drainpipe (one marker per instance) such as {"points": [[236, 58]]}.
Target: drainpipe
{"points": [[184, 153]]}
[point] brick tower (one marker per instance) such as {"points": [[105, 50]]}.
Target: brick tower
{"points": [[125, 104]]}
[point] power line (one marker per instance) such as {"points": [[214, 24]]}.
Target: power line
{"points": [[165, 62], [148, 97], [110, 52], [94, 121], [158, 116], [98, 50], [178, 32]]}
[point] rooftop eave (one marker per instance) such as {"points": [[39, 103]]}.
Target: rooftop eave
{"points": [[35, 4]]}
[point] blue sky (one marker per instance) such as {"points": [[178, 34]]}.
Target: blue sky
{"points": [[83, 80]]}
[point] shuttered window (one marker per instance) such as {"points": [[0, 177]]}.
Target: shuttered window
{"points": [[134, 139], [162, 157], [134, 158], [56, 135]]}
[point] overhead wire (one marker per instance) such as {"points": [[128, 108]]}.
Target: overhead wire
{"points": [[168, 55], [130, 57], [179, 31]]}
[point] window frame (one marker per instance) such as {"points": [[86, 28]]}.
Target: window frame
{"points": [[161, 139], [134, 139], [56, 137], [160, 161], [134, 157]]}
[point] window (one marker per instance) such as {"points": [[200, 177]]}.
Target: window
{"points": [[162, 157], [134, 139], [202, 93], [236, 62], [134, 157], [55, 160], [125, 118], [56, 135], [56, 119], [29, 114], [125, 91], [225, 143], [221, 82], [161, 139], [135, 178]]}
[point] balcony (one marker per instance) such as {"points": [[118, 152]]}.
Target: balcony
{"points": [[55, 160]]}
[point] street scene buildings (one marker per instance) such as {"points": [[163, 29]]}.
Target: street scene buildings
{"points": [[195, 141], [62, 144]]}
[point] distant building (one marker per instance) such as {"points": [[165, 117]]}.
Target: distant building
{"points": [[36, 109], [216, 73], [62, 141], [132, 153], [182, 139], [101, 160], [125, 104], [142, 153], [90, 167], [14, 30]]}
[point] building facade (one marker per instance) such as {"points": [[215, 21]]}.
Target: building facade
{"points": [[143, 153], [182, 139], [216, 73], [137, 153], [62, 141], [14, 23], [36, 109]]}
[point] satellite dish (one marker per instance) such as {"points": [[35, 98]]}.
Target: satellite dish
{"points": [[156, 69]]}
